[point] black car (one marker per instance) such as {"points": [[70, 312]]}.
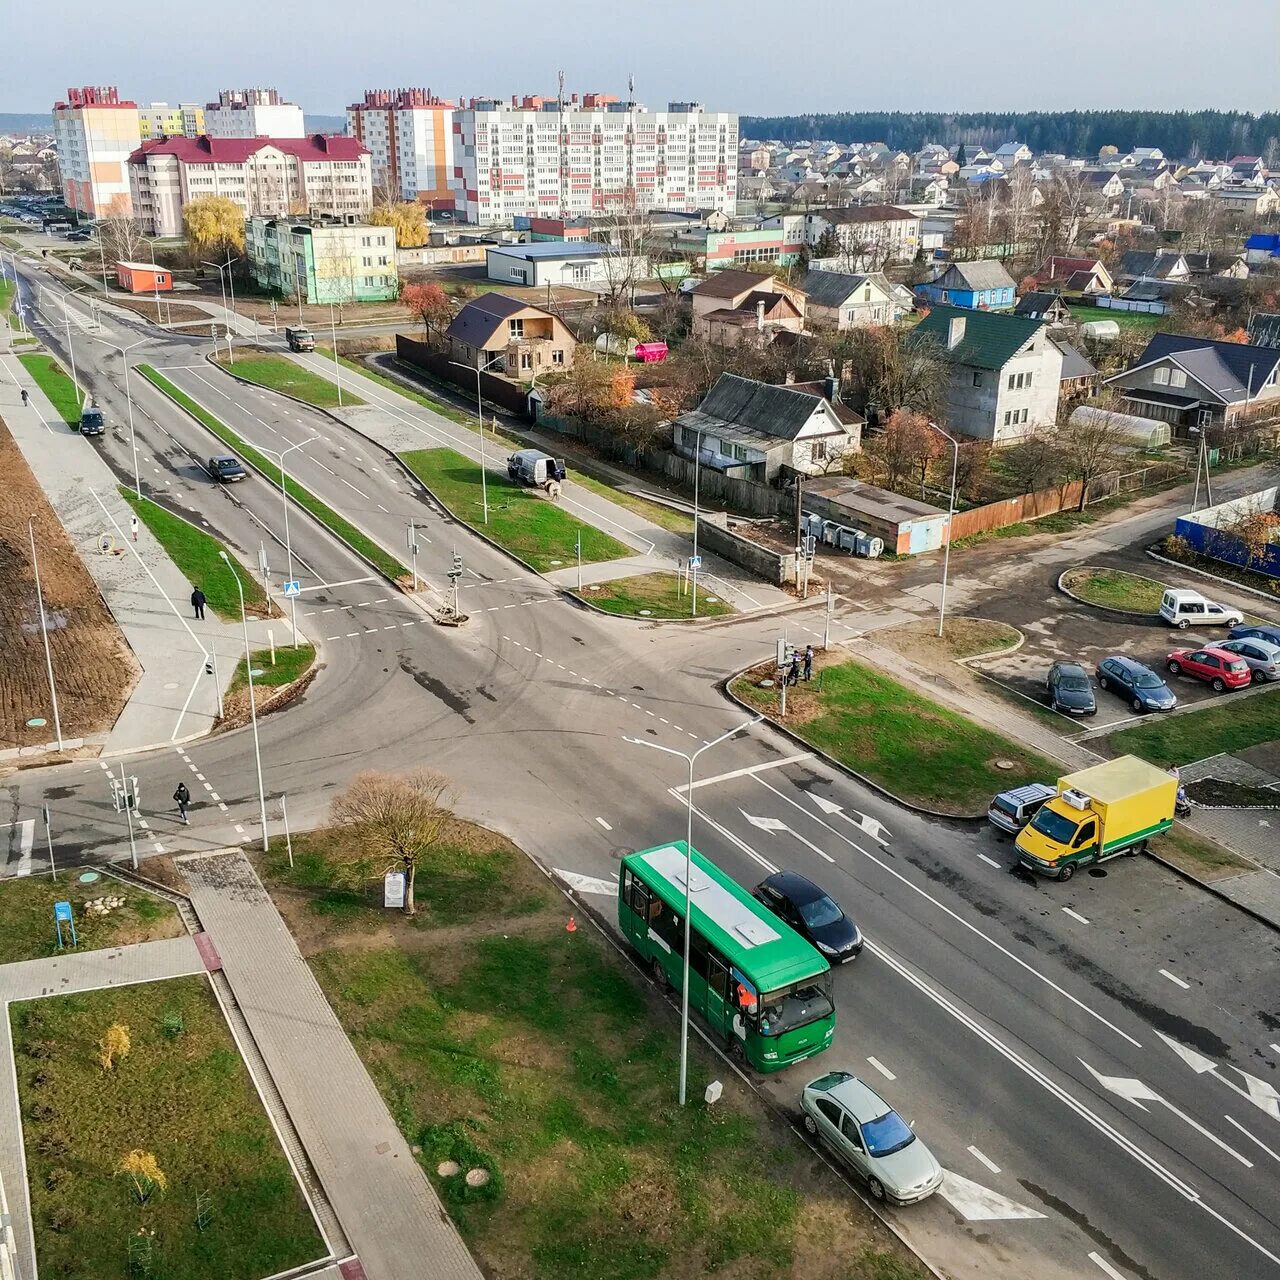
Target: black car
{"points": [[226, 469], [1255, 633], [1070, 690], [812, 914], [93, 422], [1138, 685]]}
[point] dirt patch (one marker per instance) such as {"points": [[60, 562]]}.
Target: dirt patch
{"points": [[1220, 794], [92, 666], [170, 312], [235, 704]]}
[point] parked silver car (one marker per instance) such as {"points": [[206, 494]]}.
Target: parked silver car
{"points": [[1261, 656], [868, 1135]]}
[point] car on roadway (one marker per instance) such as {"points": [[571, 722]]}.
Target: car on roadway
{"points": [[1255, 631], [1136, 684], [1183, 609], [1070, 690], [1261, 656], [226, 469], [1217, 668], [812, 914], [863, 1131], [93, 422]]}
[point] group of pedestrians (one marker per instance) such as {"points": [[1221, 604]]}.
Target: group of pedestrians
{"points": [[801, 665]]}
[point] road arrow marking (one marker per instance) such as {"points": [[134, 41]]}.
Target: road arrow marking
{"points": [[1136, 1092], [871, 826], [776, 824], [976, 1203], [587, 884], [1259, 1092]]}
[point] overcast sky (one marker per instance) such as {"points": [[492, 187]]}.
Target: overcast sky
{"points": [[751, 56]]}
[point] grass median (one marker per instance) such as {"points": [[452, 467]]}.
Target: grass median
{"points": [[1232, 725], [279, 373], [443, 408], [196, 554], [338, 525], [1115, 589], [652, 595], [521, 520], [225, 1203], [544, 1060], [57, 386], [911, 746]]}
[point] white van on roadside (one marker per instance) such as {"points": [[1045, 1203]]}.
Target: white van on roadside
{"points": [[1183, 609]]}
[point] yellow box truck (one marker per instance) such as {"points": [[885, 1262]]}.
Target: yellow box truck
{"points": [[1111, 808]]}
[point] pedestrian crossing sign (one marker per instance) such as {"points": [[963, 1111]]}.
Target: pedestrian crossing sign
{"points": [[293, 588]]}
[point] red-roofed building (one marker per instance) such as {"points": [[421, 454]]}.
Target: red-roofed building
{"points": [[268, 176]]}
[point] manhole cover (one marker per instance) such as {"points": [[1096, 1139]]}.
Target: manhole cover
{"points": [[1005, 764], [557, 562], [646, 613], [88, 877], [710, 599], [172, 684], [257, 671], [477, 1177], [765, 684], [37, 722], [448, 1168], [1098, 873]]}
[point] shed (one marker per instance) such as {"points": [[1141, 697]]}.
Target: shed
{"points": [[908, 527], [143, 277]]}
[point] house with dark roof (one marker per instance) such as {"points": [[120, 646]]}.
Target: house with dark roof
{"points": [[1038, 304], [734, 306], [1079, 375], [755, 430], [1194, 382], [983, 284], [499, 334], [1077, 275], [1152, 264], [1004, 372], [847, 301], [1218, 266]]}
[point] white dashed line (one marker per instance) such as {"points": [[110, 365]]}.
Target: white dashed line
{"points": [[1075, 915], [192, 768], [382, 508], [978, 1156], [1173, 977], [213, 795], [882, 1069], [239, 827], [604, 824], [200, 776], [158, 847], [1107, 1269], [223, 807], [350, 635], [208, 786], [991, 862]]}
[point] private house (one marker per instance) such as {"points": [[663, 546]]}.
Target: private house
{"points": [[868, 235], [1217, 266], [1102, 184], [1152, 264], [1076, 275], [1005, 372], [1079, 376], [1262, 248], [1195, 382], [580, 264], [754, 430], [504, 335], [1248, 202], [1049, 307], [983, 284], [732, 305], [848, 301]]}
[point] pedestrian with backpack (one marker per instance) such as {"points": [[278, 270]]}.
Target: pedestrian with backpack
{"points": [[183, 797]]}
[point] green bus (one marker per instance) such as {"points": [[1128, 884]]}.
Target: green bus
{"points": [[761, 987]]}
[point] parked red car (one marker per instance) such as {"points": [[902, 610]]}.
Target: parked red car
{"points": [[1217, 667]]}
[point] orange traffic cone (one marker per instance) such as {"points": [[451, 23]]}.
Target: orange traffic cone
{"points": [[571, 927]]}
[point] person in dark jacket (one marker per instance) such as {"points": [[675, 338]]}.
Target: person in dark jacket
{"points": [[197, 602], [808, 662], [183, 797]]}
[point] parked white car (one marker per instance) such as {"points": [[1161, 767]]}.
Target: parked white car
{"points": [[1183, 609]]}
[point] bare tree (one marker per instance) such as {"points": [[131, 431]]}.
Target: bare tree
{"points": [[891, 371], [1203, 224], [1089, 447], [121, 239], [1036, 462], [1061, 213], [628, 229], [394, 821]]}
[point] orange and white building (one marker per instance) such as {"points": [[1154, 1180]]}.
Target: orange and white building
{"points": [[143, 277], [96, 133], [410, 137]]}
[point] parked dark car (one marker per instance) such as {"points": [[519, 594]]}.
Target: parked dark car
{"points": [[93, 422], [1260, 632], [812, 914], [1070, 690], [1138, 685], [226, 469]]}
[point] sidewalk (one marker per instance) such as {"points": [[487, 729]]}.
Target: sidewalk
{"points": [[386, 1206], [173, 698]]}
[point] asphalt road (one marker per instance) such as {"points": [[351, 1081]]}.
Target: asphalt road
{"points": [[995, 1009]]}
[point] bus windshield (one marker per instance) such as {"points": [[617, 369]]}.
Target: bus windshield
{"points": [[1059, 829], [797, 1005]]}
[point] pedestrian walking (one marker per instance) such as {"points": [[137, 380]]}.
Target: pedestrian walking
{"points": [[808, 662], [25, 397], [133, 527], [197, 602], [183, 797], [795, 668]]}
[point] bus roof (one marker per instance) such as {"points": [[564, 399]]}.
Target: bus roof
{"points": [[748, 935]]}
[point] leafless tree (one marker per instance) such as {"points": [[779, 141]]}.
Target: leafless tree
{"points": [[628, 228], [121, 239], [1062, 212], [1035, 462], [1089, 448], [1203, 224], [891, 371]]}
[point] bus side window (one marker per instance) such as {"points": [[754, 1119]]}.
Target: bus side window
{"points": [[640, 899], [718, 975], [697, 954], [627, 878]]}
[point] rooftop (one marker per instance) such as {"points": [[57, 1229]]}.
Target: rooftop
{"points": [[556, 249], [990, 340], [206, 150]]}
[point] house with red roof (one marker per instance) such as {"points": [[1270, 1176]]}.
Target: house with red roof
{"points": [[319, 174]]}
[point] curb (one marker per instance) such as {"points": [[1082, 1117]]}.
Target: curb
{"points": [[1213, 577], [1209, 888], [993, 653], [964, 819], [1088, 604]]}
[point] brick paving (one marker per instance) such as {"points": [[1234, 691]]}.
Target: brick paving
{"points": [[386, 1206]]}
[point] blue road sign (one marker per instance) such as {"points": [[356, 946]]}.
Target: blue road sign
{"points": [[293, 588], [695, 562], [62, 911]]}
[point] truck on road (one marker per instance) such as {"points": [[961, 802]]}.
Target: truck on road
{"points": [[1108, 809], [300, 339]]}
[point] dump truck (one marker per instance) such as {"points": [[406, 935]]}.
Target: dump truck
{"points": [[300, 339], [1108, 809]]}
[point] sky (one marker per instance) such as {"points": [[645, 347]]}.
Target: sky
{"points": [[756, 57]]}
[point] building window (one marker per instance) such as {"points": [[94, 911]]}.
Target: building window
{"points": [[818, 451], [977, 379], [515, 328], [1177, 378], [1012, 383], [1008, 417], [557, 357], [1160, 377], [526, 360]]}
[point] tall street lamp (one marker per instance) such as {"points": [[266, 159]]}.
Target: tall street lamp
{"points": [[951, 515], [223, 282], [337, 368], [688, 876], [288, 542], [693, 559], [133, 440], [478, 369], [253, 709], [44, 631]]}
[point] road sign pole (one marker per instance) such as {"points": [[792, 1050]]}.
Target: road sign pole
{"points": [[579, 559], [288, 839], [128, 813], [826, 626], [217, 679], [48, 836]]}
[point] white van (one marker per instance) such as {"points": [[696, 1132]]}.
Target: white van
{"points": [[1183, 609]]}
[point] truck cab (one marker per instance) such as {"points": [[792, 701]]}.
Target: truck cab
{"points": [[300, 339]]}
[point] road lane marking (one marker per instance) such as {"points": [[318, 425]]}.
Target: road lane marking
{"points": [[604, 824], [1075, 915], [981, 1159], [742, 773], [1256, 1141], [881, 1068], [991, 862], [1275, 1048], [976, 1203], [1106, 1267], [587, 884], [1173, 977]]}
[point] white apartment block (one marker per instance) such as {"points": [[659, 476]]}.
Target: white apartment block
{"points": [[410, 137], [253, 113], [159, 119], [96, 132], [267, 176]]}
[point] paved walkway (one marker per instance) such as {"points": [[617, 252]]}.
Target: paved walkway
{"points": [[148, 597], [387, 1207], [61, 975]]}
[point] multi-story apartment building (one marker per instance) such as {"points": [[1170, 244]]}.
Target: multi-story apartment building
{"points": [[410, 137], [253, 113], [322, 260], [160, 120], [96, 132], [268, 176]]}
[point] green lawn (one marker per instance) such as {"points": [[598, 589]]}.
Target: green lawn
{"points": [[26, 914], [56, 385], [1115, 589], [1231, 725], [427, 402], [290, 665], [182, 1094], [196, 554], [521, 520], [279, 373], [337, 524], [913, 747], [659, 595], [1197, 856], [504, 1043], [1136, 321]]}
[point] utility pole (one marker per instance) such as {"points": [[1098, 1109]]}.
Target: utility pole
{"points": [[799, 519], [44, 631]]}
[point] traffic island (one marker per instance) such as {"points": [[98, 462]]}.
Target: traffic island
{"points": [[1113, 590], [279, 676], [652, 597], [279, 373]]}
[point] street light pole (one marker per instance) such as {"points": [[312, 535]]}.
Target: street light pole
{"points": [[44, 631], [693, 559], [484, 480], [253, 709], [71, 350], [133, 440], [222, 285], [688, 877], [288, 542], [337, 368], [951, 515]]}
